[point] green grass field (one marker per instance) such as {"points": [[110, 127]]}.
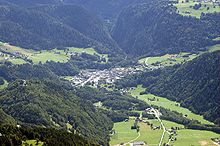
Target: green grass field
{"points": [[4, 85], [168, 59], [90, 51], [123, 132], [45, 55], [185, 137], [214, 48], [189, 137], [168, 104], [186, 9], [32, 142], [68, 78], [17, 61]]}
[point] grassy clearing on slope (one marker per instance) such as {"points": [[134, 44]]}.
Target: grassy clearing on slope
{"points": [[186, 8], [68, 78], [20, 54], [168, 104], [168, 59], [32, 142], [216, 39], [17, 61], [45, 56], [90, 51], [214, 48], [4, 85]]}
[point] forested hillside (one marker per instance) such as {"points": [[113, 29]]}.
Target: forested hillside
{"points": [[142, 28], [14, 136], [155, 28], [47, 28], [54, 104], [36, 96], [194, 84], [109, 72], [106, 9]]}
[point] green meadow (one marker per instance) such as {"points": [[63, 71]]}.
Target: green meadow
{"points": [[214, 48], [123, 133], [185, 137], [186, 8], [188, 137], [4, 85], [168, 104], [17, 61], [44, 55], [32, 143], [168, 59]]}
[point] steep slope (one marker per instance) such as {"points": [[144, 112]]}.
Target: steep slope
{"points": [[50, 103], [6, 119], [53, 27], [17, 136], [155, 28], [106, 9], [195, 85], [36, 30], [80, 19]]}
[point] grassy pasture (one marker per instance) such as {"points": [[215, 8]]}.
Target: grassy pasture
{"points": [[188, 137], [123, 133], [186, 8], [90, 51], [168, 59], [44, 55], [68, 78], [185, 137], [214, 48], [32, 142], [168, 104], [4, 85], [17, 61], [216, 39]]}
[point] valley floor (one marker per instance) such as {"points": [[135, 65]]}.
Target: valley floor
{"points": [[124, 135]]}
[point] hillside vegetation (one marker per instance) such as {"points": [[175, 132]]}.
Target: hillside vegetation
{"points": [[49, 103], [46, 28], [155, 28], [193, 84]]}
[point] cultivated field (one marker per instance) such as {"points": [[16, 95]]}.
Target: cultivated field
{"points": [[184, 137]]}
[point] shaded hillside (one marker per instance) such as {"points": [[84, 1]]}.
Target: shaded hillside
{"points": [[106, 9], [54, 104], [80, 19], [195, 85], [6, 119], [33, 29], [14, 136], [155, 28]]}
